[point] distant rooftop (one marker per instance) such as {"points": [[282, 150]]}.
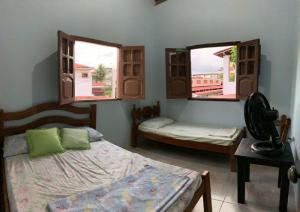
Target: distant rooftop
{"points": [[82, 66]]}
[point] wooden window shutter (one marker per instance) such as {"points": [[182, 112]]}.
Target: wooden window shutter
{"points": [[248, 68], [132, 73], [66, 68], [178, 73]]}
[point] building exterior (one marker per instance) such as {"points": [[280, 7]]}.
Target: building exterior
{"points": [[207, 84], [83, 80], [229, 86]]}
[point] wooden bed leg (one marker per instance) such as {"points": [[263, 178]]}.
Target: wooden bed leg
{"points": [[207, 192], [232, 162], [133, 140], [134, 128]]}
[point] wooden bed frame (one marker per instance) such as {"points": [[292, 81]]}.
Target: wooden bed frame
{"points": [[91, 112], [141, 114]]}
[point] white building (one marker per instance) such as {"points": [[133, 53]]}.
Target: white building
{"points": [[83, 80], [229, 87]]}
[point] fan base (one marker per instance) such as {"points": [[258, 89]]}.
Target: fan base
{"points": [[267, 148]]}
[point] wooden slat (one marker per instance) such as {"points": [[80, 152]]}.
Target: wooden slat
{"points": [[10, 116], [93, 116], [43, 121]]}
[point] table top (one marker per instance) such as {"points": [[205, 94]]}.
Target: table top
{"points": [[244, 151]]}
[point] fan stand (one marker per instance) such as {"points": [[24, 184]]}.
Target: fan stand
{"points": [[268, 148]]}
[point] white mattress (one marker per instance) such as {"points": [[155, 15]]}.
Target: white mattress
{"points": [[195, 132], [32, 184]]}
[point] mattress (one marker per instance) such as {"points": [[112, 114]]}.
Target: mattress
{"points": [[32, 184], [196, 132]]}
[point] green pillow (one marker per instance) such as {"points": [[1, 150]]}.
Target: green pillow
{"points": [[42, 142], [75, 138]]}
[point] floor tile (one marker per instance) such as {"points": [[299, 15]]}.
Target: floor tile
{"points": [[216, 206], [229, 207]]}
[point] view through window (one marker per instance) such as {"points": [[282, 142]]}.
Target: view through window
{"points": [[95, 71], [214, 72]]}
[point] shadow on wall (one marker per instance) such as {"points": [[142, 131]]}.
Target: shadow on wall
{"points": [[265, 76], [45, 80]]}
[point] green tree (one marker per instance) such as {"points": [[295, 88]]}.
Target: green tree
{"points": [[233, 55], [100, 73]]}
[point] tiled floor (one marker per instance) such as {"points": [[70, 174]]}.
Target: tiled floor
{"points": [[262, 194]]}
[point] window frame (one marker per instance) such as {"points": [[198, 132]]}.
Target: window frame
{"points": [[199, 46]]}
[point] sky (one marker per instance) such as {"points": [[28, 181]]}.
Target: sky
{"points": [[204, 61], [92, 55]]}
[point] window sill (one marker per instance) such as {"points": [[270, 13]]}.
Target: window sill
{"points": [[97, 100], [215, 99]]}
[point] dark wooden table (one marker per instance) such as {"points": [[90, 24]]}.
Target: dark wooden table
{"points": [[245, 156]]}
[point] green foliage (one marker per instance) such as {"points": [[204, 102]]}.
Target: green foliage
{"points": [[231, 77], [100, 73], [108, 91], [221, 76], [233, 54]]}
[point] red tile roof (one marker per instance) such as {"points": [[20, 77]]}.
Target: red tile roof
{"points": [[81, 66]]}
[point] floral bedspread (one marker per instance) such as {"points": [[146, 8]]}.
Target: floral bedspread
{"points": [[149, 190]]}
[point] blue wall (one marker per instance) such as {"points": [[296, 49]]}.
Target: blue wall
{"points": [[182, 23], [28, 45]]}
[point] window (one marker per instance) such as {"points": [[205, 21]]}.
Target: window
{"points": [[83, 75], [214, 62], [220, 71], [97, 65], [91, 70]]}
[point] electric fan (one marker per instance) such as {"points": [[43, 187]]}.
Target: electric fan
{"points": [[260, 118]]}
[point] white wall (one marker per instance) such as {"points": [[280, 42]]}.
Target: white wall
{"points": [[228, 87], [183, 23], [28, 45]]}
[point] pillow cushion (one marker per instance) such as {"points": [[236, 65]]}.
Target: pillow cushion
{"points": [[157, 123], [15, 145], [42, 142], [75, 138], [94, 135]]}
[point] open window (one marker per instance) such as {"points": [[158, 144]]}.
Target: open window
{"points": [[221, 71], [94, 70]]}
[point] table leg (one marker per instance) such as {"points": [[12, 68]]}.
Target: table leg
{"points": [[247, 172], [284, 190], [279, 177], [241, 180]]}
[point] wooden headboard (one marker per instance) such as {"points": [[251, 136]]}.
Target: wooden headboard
{"points": [[91, 111], [141, 114], [90, 121]]}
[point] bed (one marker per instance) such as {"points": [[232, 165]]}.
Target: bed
{"points": [[28, 185], [200, 137]]}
